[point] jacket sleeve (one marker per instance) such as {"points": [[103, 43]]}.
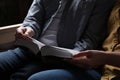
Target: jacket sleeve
{"points": [[96, 30], [34, 18]]}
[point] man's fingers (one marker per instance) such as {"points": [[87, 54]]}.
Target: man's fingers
{"points": [[81, 54], [86, 53], [21, 30], [25, 31], [29, 32]]}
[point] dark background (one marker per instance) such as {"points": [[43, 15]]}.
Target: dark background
{"points": [[13, 11]]}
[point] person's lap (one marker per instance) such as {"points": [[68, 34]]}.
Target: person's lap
{"points": [[59, 70], [64, 74], [17, 63]]}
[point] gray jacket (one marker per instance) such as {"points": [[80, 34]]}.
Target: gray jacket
{"points": [[83, 24]]}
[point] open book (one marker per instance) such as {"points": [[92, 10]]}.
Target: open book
{"points": [[35, 46]]}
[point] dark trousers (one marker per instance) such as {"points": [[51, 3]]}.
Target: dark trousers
{"points": [[19, 64]]}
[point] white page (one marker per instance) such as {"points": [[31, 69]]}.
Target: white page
{"points": [[58, 52]]}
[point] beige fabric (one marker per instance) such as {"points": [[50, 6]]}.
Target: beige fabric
{"points": [[112, 43], [114, 24], [110, 72]]}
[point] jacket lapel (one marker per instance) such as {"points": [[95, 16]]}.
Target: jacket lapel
{"points": [[73, 21]]}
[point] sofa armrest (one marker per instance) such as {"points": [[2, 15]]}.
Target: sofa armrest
{"points": [[7, 36]]}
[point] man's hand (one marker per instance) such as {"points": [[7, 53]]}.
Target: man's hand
{"points": [[24, 32], [89, 59]]}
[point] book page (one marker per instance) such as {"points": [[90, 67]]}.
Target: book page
{"points": [[58, 52], [30, 43]]}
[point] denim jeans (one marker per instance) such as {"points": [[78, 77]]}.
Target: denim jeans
{"points": [[19, 64], [65, 74]]}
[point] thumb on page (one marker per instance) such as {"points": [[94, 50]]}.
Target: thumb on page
{"points": [[81, 54]]}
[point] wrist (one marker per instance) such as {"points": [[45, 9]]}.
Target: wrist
{"points": [[106, 59]]}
